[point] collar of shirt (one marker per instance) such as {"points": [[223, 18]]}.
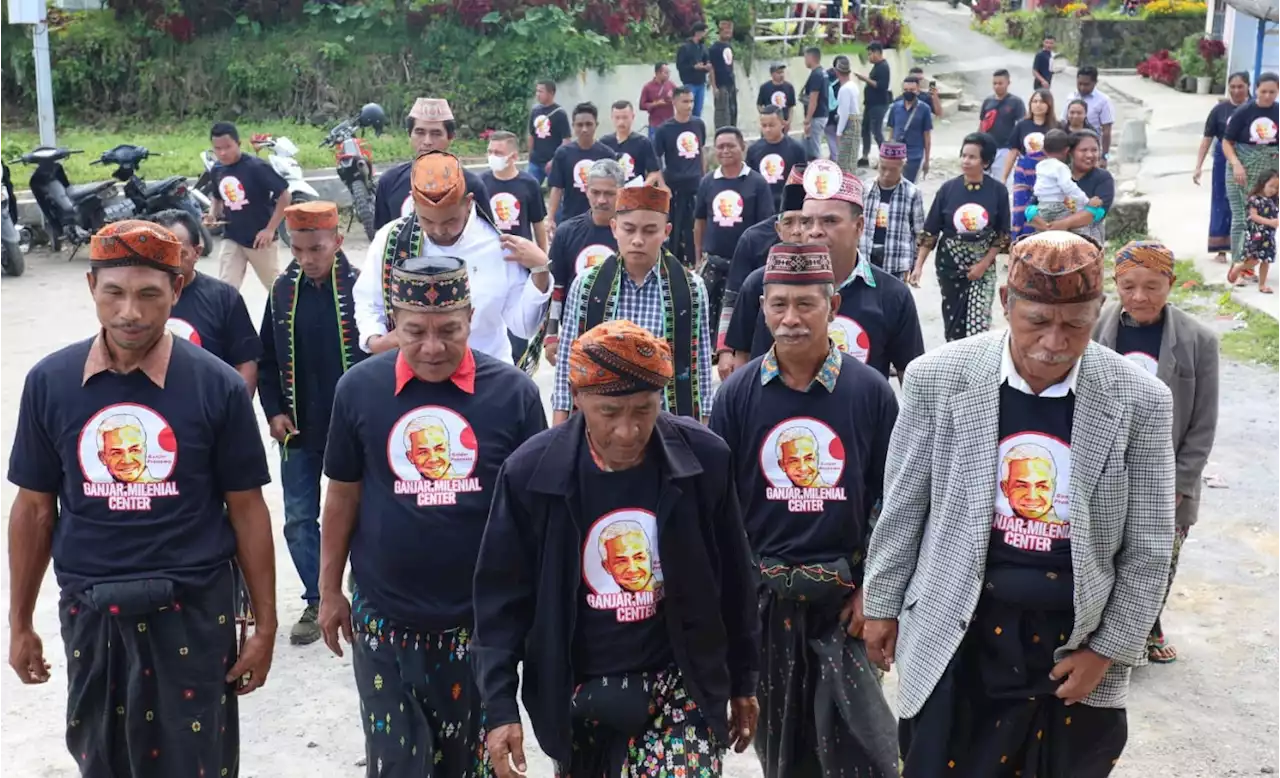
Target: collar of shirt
{"points": [[154, 365], [1128, 321], [827, 374], [861, 269], [464, 377], [1009, 373], [720, 172]]}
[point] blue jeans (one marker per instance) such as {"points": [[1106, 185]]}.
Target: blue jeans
{"points": [[539, 172], [699, 95], [300, 470]]}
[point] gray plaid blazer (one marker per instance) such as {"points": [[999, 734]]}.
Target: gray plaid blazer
{"points": [[928, 552]]}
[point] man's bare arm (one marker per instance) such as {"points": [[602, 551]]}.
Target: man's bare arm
{"points": [[341, 508], [249, 372], [31, 521], [255, 551]]}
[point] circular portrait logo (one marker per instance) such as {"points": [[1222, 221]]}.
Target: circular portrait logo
{"points": [[181, 328], [127, 443], [542, 126], [772, 167], [506, 210], [580, 172], [850, 337], [727, 208], [802, 452], [882, 216], [822, 179], [1033, 143], [970, 217], [432, 443], [687, 144], [628, 164], [232, 192], [1035, 478], [1262, 131], [779, 99], [728, 55], [620, 553], [1143, 360], [591, 256]]}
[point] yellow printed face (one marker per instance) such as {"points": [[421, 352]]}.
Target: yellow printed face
{"points": [[429, 452], [799, 461], [502, 209], [629, 561], [124, 453], [1030, 487]]}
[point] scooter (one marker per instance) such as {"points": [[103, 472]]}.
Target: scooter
{"points": [[69, 213], [355, 160], [281, 152], [143, 199], [16, 238]]}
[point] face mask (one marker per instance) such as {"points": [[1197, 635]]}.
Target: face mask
{"points": [[909, 97], [497, 164]]}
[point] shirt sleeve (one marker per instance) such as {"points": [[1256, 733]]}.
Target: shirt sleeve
{"points": [[1106, 113], [917, 212], [933, 223], [908, 340], [1004, 215], [888, 416], [764, 198], [34, 463], [723, 421], [537, 206], [743, 324], [526, 305], [382, 212], [926, 125], [371, 310], [240, 461], [557, 176], [535, 416], [343, 460], [560, 128], [270, 393], [272, 180], [700, 200], [650, 159], [704, 349], [561, 398], [245, 345]]}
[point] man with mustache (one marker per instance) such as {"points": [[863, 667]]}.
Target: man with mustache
{"points": [[122, 448], [1022, 647]]}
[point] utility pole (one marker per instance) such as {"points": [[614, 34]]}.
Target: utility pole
{"points": [[32, 12]]}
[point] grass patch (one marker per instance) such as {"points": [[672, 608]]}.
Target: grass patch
{"points": [[179, 146], [919, 50]]}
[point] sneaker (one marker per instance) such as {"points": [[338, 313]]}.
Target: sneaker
{"points": [[306, 631]]}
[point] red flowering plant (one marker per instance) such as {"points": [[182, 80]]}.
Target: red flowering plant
{"points": [[1160, 67]]}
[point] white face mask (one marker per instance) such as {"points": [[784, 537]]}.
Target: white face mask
{"points": [[497, 164]]}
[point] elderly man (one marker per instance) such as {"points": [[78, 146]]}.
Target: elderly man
{"points": [[140, 470], [895, 208], [1002, 619], [1183, 353], [415, 444], [567, 178], [510, 276], [876, 318], [431, 127], [640, 509], [645, 284], [808, 427]]}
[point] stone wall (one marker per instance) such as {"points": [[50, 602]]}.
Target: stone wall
{"points": [[1118, 43]]}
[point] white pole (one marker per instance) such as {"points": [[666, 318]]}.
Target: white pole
{"points": [[44, 83]]}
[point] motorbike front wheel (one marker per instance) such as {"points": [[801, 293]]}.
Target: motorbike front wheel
{"points": [[13, 262], [362, 202]]}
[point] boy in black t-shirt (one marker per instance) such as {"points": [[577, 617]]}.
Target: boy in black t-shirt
{"points": [[251, 198], [775, 153], [415, 443], [139, 470], [548, 129], [679, 142], [515, 198], [722, 78], [778, 92], [635, 152], [569, 166]]}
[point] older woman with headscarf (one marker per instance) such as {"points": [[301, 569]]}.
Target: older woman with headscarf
{"points": [[1215, 128], [1181, 352], [1095, 181], [968, 223]]}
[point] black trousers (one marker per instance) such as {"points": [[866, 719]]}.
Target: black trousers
{"points": [[873, 124], [146, 689], [680, 243]]}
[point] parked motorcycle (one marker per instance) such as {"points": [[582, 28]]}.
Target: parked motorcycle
{"points": [[16, 238], [143, 199], [355, 160], [69, 213], [281, 152]]}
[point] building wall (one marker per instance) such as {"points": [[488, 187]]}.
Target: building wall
{"points": [[1240, 33]]}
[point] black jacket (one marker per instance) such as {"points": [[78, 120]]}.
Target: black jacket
{"points": [[528, 575]]}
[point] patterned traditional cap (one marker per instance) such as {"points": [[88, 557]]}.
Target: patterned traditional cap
{"points": [[430, 284], [792, 197], [797, 174], [824, 180], [893, 151], [618, 358], [431, 109], [644, 198], [312, 215], [1150, 254], [135, 242], [1056, 267], [437, 180], [799, 264]]}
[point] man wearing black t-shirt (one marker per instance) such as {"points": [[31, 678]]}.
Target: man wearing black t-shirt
{"points": [[693, 64], [251, 198], [210, 313], [1022, 551], [808, 430], [778, 92], [679, 142], [1042, 65], [635, 152], [776, 153], [722, 78], [875, 100], [140, 469], [999, 115], [548, 129], [623, 523], [514, 196], [815, 99], [569, 166], [415, 443]]}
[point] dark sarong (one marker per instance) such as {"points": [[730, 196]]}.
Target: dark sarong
{"points": [[1156, 638], [419, 705], [966, 305], [640, 725], [994, 714], [715, 272], [146, 689], [822, 712], [680, 242], [1220, 213]]}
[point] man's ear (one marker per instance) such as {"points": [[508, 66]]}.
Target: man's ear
{"points": [[1004, 299], [835, 306]]}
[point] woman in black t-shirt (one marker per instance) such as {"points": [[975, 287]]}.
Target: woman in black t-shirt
{"points": [[1027, 141], [1249, 144], [1215, 127], [1095, 181]]}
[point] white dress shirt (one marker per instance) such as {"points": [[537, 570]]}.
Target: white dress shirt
{"points": [[1010, 373], [503, 295]]}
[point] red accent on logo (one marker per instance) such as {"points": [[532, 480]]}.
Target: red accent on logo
{"points": [[114, 610], [836, 449], [863, 341], [468, 438], [167, 440]]}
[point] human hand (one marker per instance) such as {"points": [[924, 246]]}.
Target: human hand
{"points": [[522, 251], [550, 348], [264, 239], [506, 750], [1196, 176], [209, 220], [1083, 670], [1095, 202], [251, 668], [851, 615], [1177, 501], [913, 278], [26, 656], [384, 342], [924, 168], [282, 427], [1238, 173], [725, 365], [978, 270], [744, 712], [881, 637], [334, 617]]}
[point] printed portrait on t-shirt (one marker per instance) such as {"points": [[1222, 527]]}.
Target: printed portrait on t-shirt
{"points": [[687, 145], [542, 126], [580, 172], [506, 210], [591, 256], [1033, 142], [882, 216], [433, 452], [127, 454], [772, 166], [232, 192], [971, 217], [802, 460], [628, 164], [621, 565], [727, 208], [1033, 500], [1262, 131], [850, 337], [1144, 360], [181, 328], [779, 99]]}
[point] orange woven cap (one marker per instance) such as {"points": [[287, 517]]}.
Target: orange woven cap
{"points": [[644, 198], [437, 180], [619, 358], [1150, 254], [135, 242], [1056, 267], [312, 215]]}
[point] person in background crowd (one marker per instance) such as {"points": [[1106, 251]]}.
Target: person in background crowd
{"points": [[308, 339], [722, 78], [729, 201], [656, 98], [635, 152], [548, 130], [1056, 193], [935, 100], [647, 286], [968, 223], [680, 142], [1260, 246], [582, 243], [1077, 117], [512, 276], [1014, 645], [431, 127], [251, 199], [569, 166], [139, 469], [515, 198], [210, 313], [1026, 146], [693, 64], [1215, 129], [815, 99], [1250, 145], [415, 445], [875, 100], [999, 117], [1095, 182], [1183, 353], [651, 557], [1099, 113], [833, 111], [778, 92], [848, 130], [1042, 65], [910, 122], [822, 711], [895, 208], [775, 154]]}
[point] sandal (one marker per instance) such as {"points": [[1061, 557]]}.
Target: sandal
{"points": [[1266, 290], [1221, 258], [1162, 654]]}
